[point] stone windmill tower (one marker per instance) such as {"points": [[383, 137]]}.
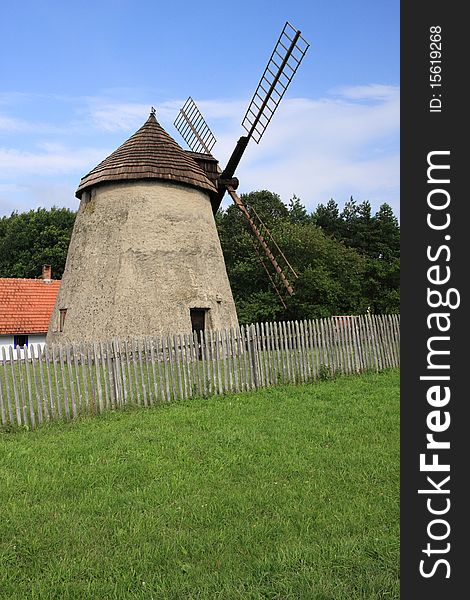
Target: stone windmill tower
{"points": [[144, 257]]}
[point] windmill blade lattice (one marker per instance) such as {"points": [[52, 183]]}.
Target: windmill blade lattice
{"points": [[284, 62], [193, 128], [274, 254], [279, 72]]}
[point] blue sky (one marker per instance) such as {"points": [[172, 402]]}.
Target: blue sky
{"points": [[77, 79]]}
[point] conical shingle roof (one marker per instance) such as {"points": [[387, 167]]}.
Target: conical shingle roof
{"points": [[148, 154]]}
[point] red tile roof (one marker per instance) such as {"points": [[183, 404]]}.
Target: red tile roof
{"points": [[26, 305]]}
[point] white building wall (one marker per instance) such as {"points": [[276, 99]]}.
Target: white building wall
{"points": [[36, 340]]}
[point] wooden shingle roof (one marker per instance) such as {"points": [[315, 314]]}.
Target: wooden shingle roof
{"points": [[148, 154], [26, 305]]}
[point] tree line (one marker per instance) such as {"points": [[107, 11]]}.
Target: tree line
{"points": [[31, 239], [347, 261]]}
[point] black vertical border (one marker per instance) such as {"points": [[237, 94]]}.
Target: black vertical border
{"points": [[423, 132]]}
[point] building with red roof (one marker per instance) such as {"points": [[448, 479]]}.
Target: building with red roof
{"points": [[25, 309]]}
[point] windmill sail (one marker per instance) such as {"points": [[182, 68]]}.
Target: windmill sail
{"points": [[284, 62], [193, 128], [260, 233], [279, 72], [285, 59]]}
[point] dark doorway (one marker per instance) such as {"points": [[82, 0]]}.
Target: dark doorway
{"points": [[198, 319], [198, 323]]}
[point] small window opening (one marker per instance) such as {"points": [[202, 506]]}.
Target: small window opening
{"points": [[198, 323], [20, 341], [62, 315]]}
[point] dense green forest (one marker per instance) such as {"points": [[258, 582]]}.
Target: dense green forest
{"points": [[348, 260], [35, 238]]}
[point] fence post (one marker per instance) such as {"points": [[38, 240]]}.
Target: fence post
{"points": [[254, 355], [2, 402], [7, 385]]}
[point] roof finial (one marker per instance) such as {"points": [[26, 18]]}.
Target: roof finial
{"points": [[153, 111]]}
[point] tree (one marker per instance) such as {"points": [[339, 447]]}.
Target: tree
{"points": [[254, 297], [268, 206], [330, 274], [32, 239], [358, 226], [387, 233], [381, 287], [297, 211], [374, 236], [327, 218]]}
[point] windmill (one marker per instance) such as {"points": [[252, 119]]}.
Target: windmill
{"points": [[144, 256], [285, 59]]}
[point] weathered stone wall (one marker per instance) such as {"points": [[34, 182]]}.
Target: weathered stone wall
{"points": [[141, 255]]}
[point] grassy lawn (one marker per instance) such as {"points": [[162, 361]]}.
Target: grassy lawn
{"points": [[284, 493]]}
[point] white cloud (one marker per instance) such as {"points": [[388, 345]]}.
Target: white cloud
{"points": [[232, 111], [52, 160], [14, 125], [108, 115], [11, 187], [116, 116], [373, 91], [344, 143], [333, 147], [9, 124], [37, 195], [111, 116]]}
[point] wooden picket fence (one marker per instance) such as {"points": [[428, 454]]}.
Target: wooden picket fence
{"points": [[63, 382]]}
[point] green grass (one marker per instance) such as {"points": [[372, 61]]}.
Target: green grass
{"points": [[284, 493]]}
